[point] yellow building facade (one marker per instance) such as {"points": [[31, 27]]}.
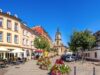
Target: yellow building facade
{"points": [[16, 39]]}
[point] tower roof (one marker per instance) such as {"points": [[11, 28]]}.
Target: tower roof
{"points": [[58, 32], [58, 35]]}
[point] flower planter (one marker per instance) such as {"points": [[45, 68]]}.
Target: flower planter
{"points": [[43, 67], [60, 68], [57, 73]]}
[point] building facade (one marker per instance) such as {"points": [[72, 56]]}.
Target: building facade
{"points": [[16, 39], [43, 33], [94, 53], [58, 45]]}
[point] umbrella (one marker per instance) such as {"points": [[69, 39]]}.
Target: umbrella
{"points": [[2, 49], [17, 51]]}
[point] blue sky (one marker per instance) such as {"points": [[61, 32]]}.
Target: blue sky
{"points": [[68, 15]]}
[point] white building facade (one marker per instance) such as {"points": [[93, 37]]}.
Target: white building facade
{"points": [[94, 54]]}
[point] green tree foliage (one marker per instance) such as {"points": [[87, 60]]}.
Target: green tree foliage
{"points": [[41, 43], [83, 40]]}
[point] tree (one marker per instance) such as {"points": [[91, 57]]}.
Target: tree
{"points": [[41, 43], [83, 40]]}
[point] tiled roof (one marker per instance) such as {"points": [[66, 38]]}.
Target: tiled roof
{"points": [[38, 29]]}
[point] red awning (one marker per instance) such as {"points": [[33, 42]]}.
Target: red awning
{"points": [[40, 51]]}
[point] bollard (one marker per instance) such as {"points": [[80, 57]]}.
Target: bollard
{"points": [[74, 70], [93, 70]]}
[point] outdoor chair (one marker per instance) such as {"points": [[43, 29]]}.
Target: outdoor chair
{"points": [[2, 64]]}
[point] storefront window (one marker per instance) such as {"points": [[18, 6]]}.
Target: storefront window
{"points": [[27, 53], [1, 56], [95, 54], [88, 54]]}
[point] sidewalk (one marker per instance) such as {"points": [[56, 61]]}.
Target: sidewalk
{"points": [[29, 68], [2, 71]]}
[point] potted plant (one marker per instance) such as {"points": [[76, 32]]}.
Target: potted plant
{"points": [[65, 69], [40, 60], [45, 64], [60, 68]]}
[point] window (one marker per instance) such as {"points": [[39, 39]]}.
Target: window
{"points": [[88, 54], [8, 24], [1, 36], [8, 37], [16, 39], [27, 42], [24, 41], [32, 43], [1, 22], [16, 27], [27, 52], [24, 32], [95, 54]]}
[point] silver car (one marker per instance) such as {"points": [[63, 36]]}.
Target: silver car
{"points": [[69, 58]]}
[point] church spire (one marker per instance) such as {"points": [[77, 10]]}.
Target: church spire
{"points": [[58, 32], [57, 29]]}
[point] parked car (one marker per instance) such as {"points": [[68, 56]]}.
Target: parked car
{"points": [[68, 58]]}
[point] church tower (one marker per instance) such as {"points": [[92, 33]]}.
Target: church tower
{"points": [[58, 45], [58, 40]]}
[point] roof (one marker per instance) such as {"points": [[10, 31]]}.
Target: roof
{"points": [[38, 29], [18, 19], [41, 31], [10, 16], [98, 32], [58, 32]]}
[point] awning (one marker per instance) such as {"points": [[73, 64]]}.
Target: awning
{"points": [[40, 51], [2, 49], [17, 50]]}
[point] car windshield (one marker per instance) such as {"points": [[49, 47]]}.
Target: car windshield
{"points": [[68, 56]]}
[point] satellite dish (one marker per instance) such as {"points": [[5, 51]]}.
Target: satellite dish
{"points": [[9, 13], [25, 24], [0, 10], [16, 15]]}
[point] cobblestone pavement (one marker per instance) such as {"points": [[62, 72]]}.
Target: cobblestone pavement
{"points": [[84, 69], [29, 68], [2, 71]]}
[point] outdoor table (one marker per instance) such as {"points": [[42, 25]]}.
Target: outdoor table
{"points": [[2, 64], [21, 61], [14, 62]]}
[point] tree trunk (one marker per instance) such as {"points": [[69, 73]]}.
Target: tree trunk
{"points": [[82, 56]]}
